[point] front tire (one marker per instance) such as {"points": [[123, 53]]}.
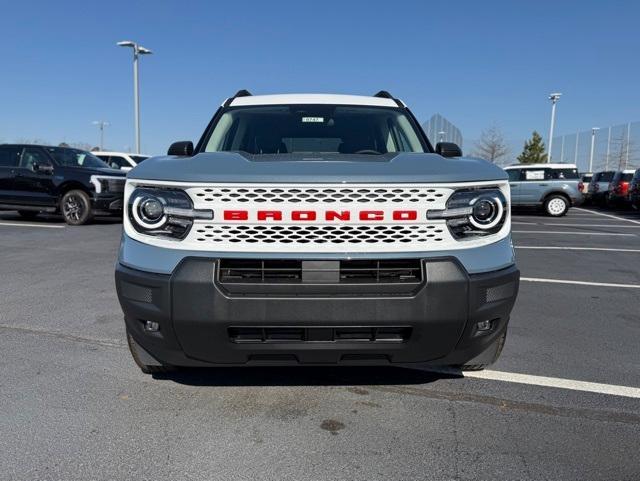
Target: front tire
{"points": [[556, 206], [75, 206], [28, 214]]}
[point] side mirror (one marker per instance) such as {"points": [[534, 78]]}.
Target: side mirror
{"points": [[43, 168], [183, 148], [448, 149]]}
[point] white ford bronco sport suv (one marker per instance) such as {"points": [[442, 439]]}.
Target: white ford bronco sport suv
{"points": [[315, 230]]}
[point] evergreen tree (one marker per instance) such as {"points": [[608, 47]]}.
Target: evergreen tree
{"points": [[534, 150]]}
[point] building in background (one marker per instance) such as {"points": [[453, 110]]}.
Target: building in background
{"points": [[439, 129]]}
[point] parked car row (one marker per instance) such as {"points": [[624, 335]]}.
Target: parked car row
{"points": [[613, 188], [80, 184], [555, 188]]}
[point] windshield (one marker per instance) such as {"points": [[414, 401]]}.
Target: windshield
{"points": [[314, 129], [605, 176], [75, 158]]}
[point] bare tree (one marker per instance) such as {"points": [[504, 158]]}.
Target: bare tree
{"points": [[81, 145], [491, 146], [34, 141]]}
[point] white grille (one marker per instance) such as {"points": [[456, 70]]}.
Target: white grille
{"points": [[325, 234], [382, 218], [312, 195], [319, 234]]}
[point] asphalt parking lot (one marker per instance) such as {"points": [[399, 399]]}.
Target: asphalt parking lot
{"points": [[563, 401]]}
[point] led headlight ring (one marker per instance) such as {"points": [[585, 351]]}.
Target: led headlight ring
{"points": [[138, 211], [489, 205]]}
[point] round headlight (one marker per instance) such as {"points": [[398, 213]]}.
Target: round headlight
{"points": [[486, 212], [148, 211], [483, 210], [151, 210]]}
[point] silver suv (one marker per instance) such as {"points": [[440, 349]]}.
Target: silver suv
{"points": [[315, 229], [554, 187]]}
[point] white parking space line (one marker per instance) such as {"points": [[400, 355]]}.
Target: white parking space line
{"points": [[617, 226], [581, 283], [609, 215], [594, 387], [547, 232], [562, 224], [608, 249], [22, 224]]}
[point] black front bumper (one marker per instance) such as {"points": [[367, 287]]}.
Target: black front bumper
{"points": [[107, 204], [203, 322]]}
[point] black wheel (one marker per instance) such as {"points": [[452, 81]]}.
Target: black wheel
{"points": [[145, 368], [556, 205], [76, 207], [28, 214], [479, 367]]}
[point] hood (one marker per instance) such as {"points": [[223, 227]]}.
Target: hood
{"points": [[103, 171], [322, 168]]}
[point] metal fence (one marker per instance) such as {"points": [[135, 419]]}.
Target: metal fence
{"points": [[439, 129], [614, 148]]}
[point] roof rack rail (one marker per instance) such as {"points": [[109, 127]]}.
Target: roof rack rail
{"points": [[239, 93], [386, 95]]}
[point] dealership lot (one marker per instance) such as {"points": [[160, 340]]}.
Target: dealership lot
{"points": [[563, 401]]}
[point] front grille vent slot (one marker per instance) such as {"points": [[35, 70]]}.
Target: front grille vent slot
{"points": [[288, 334], [385, 272], [260, 271], [283, 271]]}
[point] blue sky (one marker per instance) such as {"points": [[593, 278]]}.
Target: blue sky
{"points": [[477, 63]]}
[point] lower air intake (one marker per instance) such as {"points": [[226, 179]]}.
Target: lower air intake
{"points": [[283, 271], [364, 334]]}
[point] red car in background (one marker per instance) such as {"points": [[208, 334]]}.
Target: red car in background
{"points": [[619, 188]]}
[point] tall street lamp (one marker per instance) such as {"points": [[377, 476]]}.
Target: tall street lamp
{"points": [[137, 51], [593, 143], [101, 125], [554, 99]]}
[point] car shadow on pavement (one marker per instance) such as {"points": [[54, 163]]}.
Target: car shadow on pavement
{"points": [[306, 376], [12, 216]]}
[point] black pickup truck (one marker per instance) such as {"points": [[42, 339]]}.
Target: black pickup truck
{"points": [[72, 182]]}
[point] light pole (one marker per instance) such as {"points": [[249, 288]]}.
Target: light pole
{"points": [[626, 159], [101, 125], [137, 51], [593, 143], [606, 167], [554, 99]]}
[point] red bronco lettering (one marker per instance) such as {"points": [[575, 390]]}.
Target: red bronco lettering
{"points": [[329, 215]]}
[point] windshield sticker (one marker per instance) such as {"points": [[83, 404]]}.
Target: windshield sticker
{"points": [[534, 174], [319, 120]]}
